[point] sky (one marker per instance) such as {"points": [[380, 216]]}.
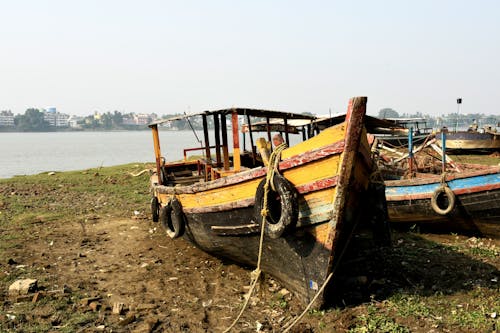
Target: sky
{"points": [[299, 56]]}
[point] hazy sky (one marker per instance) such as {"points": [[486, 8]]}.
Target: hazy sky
{"points": [[175, 56]]}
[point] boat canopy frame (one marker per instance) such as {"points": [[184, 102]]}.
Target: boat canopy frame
{"points": [[222, 158]]}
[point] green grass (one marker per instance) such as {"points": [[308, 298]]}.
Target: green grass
{"points": [[377, 321], [476, 159]]}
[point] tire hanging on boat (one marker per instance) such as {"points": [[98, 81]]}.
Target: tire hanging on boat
{"points": [[155, 209], [449, 195], [282, 206], [172, 219]]}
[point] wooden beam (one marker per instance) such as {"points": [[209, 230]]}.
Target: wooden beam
{"points": [[217, 140], [156, 142], [236, 142], [254, 152], [287, 139], [225, 151], [207, 143]]}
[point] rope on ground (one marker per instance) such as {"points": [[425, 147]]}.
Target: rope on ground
{"points": [[272, 169], [140, 173], [288, 326]]}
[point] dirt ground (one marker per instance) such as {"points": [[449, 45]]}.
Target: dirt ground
{"points": [[109, 273], [171, 286]]}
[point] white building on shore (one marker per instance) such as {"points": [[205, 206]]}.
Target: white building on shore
{"points": [[6, 118], [55, 118]]}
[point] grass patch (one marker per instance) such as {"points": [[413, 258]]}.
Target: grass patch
{"points": [[407, 306], [376, 321]]}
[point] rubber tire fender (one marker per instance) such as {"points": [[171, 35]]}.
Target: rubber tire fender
{"points": [[288, 210], [172, 219], [451, 200], [155, 209]]}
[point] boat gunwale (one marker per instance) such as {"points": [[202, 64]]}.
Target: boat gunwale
{"points": [[437, 178]]}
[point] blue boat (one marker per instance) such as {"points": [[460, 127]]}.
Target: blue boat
{"points": [[468, 201]]}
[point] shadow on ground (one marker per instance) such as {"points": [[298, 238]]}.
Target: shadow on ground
{"points": [[412, 265]]}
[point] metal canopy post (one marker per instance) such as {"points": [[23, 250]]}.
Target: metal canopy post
{"points": [[225, 151], [217, 140], [254, 153], [207, 143], [285, 121]]}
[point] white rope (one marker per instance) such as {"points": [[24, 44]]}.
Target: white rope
{"points": [[273, 167]]}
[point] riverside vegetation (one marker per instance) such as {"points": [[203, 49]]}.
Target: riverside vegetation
{"points": [[101, 264]]}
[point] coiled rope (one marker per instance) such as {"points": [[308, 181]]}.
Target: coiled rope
{"points": [[271, 170]]}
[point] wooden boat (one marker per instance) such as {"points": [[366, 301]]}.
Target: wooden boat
{"points": [[467, 142], [319, 187], [395, 131], [465, 198]]}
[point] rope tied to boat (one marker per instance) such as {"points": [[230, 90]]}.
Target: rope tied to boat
{"points": [[443, 179], [376, 177], [272, 169]]}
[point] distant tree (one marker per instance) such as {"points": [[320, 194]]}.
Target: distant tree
{"points": [[31, 121], [117, 118], [388, 113]]}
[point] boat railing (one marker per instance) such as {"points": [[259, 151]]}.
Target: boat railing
{"points": [[186, 150]]}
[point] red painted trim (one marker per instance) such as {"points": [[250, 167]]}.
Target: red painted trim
{"points": [[236, 136], [317, 185]]}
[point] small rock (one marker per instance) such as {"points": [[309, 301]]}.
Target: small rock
{"points": [[100, 328], [142, 307], [206, 303], [23, 287], [283, 292], [493, 315], [94, 306], [147, 327], [118, 308], [130, 317], [51, 173]]}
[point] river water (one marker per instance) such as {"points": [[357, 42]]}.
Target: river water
{"points": [[32, 153]]}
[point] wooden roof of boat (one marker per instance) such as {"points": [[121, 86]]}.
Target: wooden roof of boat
{"points": [[241, 112], [371, 123]]}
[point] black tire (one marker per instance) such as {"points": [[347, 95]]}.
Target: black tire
{"points": [[164, 216], [155, 209], [282, 206], [172, 219], [450, 196]]}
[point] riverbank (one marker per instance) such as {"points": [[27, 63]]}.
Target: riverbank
{"points": [[102, 265]]}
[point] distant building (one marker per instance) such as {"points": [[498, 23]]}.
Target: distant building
{"points": [[55, 118], [142, 119], [75, 121], [138, 119], [6, 119]]}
